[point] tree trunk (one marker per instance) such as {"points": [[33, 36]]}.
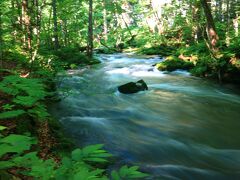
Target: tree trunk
{"points": [[90, 30], [211, 30], [236, 25], [236, 17], [126, 24], [55, 25], [38, 18], [196, 16], [48, 29], [105, 25], [228, 24], [27, 27], [1, 41], [65, 32], [220, 18]]}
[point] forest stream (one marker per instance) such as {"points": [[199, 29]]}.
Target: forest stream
{"points": [[183, 127]]}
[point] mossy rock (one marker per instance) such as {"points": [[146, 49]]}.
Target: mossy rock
{"points": [[93, 61], [103, 50], [173, 63]]}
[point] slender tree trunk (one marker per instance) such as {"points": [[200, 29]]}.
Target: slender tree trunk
{"points": [[236, 25], [228, 24], [220, 17], [127, 26], [1, 41], [90, 30], [23, 23], [65, 32], [105, 25], [211, 30], [27, 27], [38, 17], [48, 29], [157, 18], [55, 25], [13, 22], [20, 21], [196, 16]]}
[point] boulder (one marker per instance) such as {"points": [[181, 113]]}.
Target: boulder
{"points": [[133, 87]]}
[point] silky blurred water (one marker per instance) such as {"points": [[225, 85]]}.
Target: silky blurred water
{"points": [[183, 127]]}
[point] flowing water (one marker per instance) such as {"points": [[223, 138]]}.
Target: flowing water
{"points": [[183, 127]]}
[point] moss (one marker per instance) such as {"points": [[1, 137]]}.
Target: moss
{"points": [[173, 63], [70, 58], [163, 50]]}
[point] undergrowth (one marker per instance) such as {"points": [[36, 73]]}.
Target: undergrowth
{"points": [[24, 107]]}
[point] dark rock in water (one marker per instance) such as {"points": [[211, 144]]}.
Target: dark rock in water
{"points": [[133, 87], [150, 69]]}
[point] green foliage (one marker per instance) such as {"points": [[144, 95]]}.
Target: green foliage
{"points": [[15, 144], [7, 107], [126, 173], [77, 167], [35, 166], [14, 85], [71, 55], [162, 50], [27, 95], [11, 114], [93, 153], [15, 54], [195, 49], [2, 128], [173, 63], [207, 66], [234, 47]]}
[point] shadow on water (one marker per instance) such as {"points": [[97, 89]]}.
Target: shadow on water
{"points": [[183, 127]]}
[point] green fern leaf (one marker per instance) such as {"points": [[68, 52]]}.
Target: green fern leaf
{"points": [[39, 111], [2, 128], [27, 101], [128, 173], [85, 174], [6, 164], [115, 175], [15, 144], [90, 153], [11, 114]]}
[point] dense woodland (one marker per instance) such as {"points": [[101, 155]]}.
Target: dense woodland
{"points": [[40, 38]]}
